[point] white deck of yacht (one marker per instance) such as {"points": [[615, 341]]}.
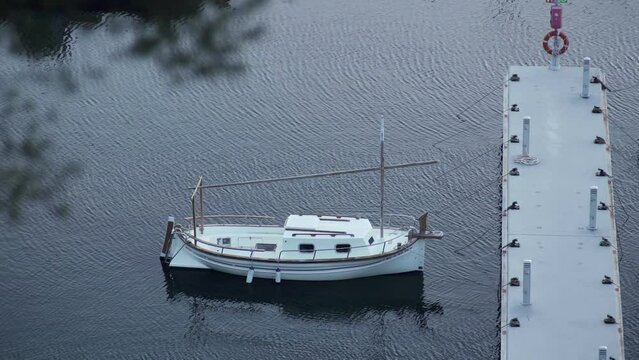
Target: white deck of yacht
{"points": [[565, 319]]}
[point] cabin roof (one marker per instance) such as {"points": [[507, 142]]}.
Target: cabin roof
{"points": [[301, 225]]}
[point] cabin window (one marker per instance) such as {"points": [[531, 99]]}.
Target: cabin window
{"points": [[265, 247], [224, 241], [343, 248], [307, 247]]}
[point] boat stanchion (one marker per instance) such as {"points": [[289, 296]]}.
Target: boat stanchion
{"points": [[249, 276], [527, 274], [593, 208], [278, 276], [168, 236]]}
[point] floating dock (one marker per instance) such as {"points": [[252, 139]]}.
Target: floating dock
{"points": [[560, 293]]}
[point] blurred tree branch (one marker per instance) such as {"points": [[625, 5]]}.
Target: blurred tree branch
{"points": [[187, 38]]}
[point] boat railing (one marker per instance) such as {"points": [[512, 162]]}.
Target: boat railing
{"points": [[212, 220], [197, 197], [251, 251], [314, 234], [398, 221], [222, 247], [348, 253]]}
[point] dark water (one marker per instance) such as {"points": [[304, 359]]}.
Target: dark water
{"points": [[92, 286]]}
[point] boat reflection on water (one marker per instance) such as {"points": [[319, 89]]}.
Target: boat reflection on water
{"points": [[322, 300]]}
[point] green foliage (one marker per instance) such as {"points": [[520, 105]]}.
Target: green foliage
{"points": [[27, 171]]}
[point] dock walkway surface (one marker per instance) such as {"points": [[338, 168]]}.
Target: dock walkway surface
{"points": [[568, 301]]}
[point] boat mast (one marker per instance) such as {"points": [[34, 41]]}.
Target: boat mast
{"points": [[381, 181]]}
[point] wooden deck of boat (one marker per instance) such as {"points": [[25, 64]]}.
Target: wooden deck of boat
{"points": [[568, 302]]}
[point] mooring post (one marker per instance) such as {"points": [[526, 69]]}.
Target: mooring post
{"points": [[585, 84], [527, 274], [525, 148], [593, 208], [603, 353]]}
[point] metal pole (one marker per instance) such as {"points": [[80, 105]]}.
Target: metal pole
{"points": [[585, 84], [381, 185], [194, 223], [593, 208], [201, 209], [603, 353], [555, 63], [526, 137], [527, 273]]}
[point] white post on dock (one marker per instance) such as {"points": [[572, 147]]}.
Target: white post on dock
{"points": [[525, 148], [603, 353], [593, 208], [527, 273], [585, 87]]}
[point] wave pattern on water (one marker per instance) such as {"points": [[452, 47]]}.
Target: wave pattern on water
{"points": [[310, 101]]}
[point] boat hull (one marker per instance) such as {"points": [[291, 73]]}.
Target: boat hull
{"points": [[408, 259]]}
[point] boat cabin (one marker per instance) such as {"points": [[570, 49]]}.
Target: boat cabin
{"points": [[307, 233]]}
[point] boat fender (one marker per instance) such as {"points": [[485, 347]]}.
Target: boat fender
{"points": [[563, 37], [278, 276], [249, 276]]}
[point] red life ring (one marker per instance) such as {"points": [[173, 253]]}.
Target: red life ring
{"points": [[563, 37]]}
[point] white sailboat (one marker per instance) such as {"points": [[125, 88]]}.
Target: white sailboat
{"points": [[305, 247]]}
